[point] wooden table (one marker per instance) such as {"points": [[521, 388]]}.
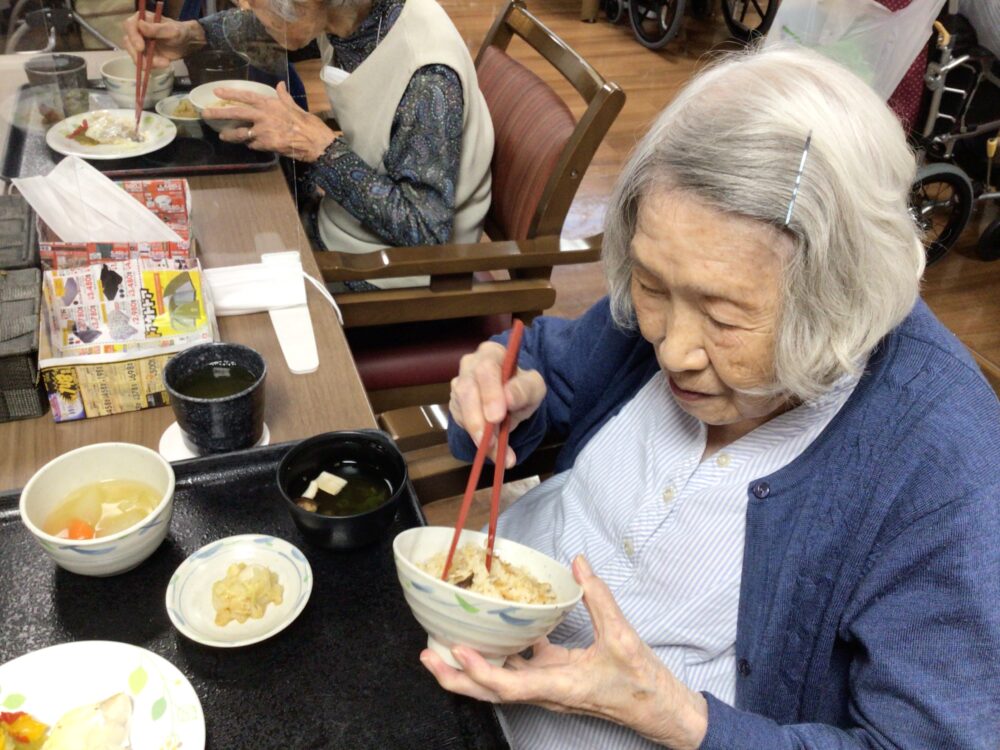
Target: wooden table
{"points": [[236, 218]]}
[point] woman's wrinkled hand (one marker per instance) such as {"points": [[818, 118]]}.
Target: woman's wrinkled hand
{"points": [[279, 124], [174, 39], [478, 395], [617, 678]]}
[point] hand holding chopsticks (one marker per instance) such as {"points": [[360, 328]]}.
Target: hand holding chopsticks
{"points": [[508, 368], [144, 64]]}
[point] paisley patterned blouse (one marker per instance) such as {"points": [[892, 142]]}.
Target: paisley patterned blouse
{"points": [[413, 202]]}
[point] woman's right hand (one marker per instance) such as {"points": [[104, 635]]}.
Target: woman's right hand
{"points": [[174, 39], [478, 395]]}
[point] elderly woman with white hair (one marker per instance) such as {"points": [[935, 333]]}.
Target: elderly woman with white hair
{"points": [[780, 486], [411, 165]]}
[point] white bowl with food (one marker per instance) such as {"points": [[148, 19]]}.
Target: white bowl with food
{"points": [[204, 97], [493, 622], [119, 79], [102, 509]]}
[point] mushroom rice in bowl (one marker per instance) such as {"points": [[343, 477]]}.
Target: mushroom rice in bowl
{"points": [[483, 619]]}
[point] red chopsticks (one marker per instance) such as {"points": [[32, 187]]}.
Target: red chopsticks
{"points": [[144, 63], [507, 371]]}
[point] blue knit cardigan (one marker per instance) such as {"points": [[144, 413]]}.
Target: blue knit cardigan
{"points": [[869, 612]]}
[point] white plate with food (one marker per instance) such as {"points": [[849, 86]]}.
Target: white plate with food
{"points": [[108, 134], [239, 590], [124, 695]]}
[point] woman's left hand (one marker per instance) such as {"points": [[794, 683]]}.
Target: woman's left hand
{"points": [[617, 678], [279, 124]]}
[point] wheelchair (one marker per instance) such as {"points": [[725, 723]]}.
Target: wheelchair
{"points": [[656, 22], [956, 139]]}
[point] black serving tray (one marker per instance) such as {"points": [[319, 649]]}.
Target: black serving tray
{"points": [[198, 152], [344, 674]]}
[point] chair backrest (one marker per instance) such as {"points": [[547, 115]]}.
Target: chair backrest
{"points": [[541, 151]]}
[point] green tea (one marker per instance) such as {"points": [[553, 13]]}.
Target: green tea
{"points": [[365, 490], [217, 380]]}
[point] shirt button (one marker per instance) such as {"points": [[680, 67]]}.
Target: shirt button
{"points": [[743, 667], [668, 494], [723, 460], [627, 546], [761, 490]]}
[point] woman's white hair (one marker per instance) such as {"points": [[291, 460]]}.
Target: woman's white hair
{"points": [[733, 139], [290, 10]]}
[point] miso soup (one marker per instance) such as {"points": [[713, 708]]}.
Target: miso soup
{"points": [[101, 509], [217, 380], [365, 490]]}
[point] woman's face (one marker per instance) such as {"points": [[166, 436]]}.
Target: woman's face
{"points": [[296, 34], [706, 289]]}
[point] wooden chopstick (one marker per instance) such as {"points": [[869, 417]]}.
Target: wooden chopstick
{"points": [[147, 67], [507, 371], [139, 98]]}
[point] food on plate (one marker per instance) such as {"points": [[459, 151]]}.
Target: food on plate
{"points": [[245, 592], [98, 726], [100, 509], [21, 731], [185, 110], [504, 581], [102, 128], [353, 489]]}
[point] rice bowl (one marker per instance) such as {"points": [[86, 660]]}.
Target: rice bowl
{"points": [[491, 625]]}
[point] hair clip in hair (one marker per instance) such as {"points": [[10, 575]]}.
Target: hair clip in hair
{"points": [[798, 179]]}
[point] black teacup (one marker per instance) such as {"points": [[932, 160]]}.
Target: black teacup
{"points": [[217, 392]]}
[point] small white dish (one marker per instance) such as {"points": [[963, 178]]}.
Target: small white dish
{"points": [[158, 130], [166, 107], [173, 448], [189, 593], [46, 683]]}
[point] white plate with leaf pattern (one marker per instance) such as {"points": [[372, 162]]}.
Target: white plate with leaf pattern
{"points": [[166, 712], [189, 593], [157, 132]]}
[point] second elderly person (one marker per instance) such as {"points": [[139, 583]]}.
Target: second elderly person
{"points": [[412, 163]]}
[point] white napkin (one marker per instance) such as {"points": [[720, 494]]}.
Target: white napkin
{"points": [[276, 284], [256, 287], [80, 204]]}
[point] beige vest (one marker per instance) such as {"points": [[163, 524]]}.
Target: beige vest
{"points": [[365, 103]]}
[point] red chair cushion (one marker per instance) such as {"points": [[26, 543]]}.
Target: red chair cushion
{"points": [[531, 126], [413, 354]]}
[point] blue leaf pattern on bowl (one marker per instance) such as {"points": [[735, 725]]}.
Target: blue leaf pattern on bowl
{"points": [[152, 525], [511, 620], [208, 552], [91, 552]]}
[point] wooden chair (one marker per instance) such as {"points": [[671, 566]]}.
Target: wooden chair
{"points": [[407, 342]]}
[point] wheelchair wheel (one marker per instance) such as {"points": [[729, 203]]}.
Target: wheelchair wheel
{"points": [[655, 22], [701, 9], [615, 10], [749, 19], [989, 242], [941, 200]]}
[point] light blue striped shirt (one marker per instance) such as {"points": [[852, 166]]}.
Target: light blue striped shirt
{"points": [[665, 531]]}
